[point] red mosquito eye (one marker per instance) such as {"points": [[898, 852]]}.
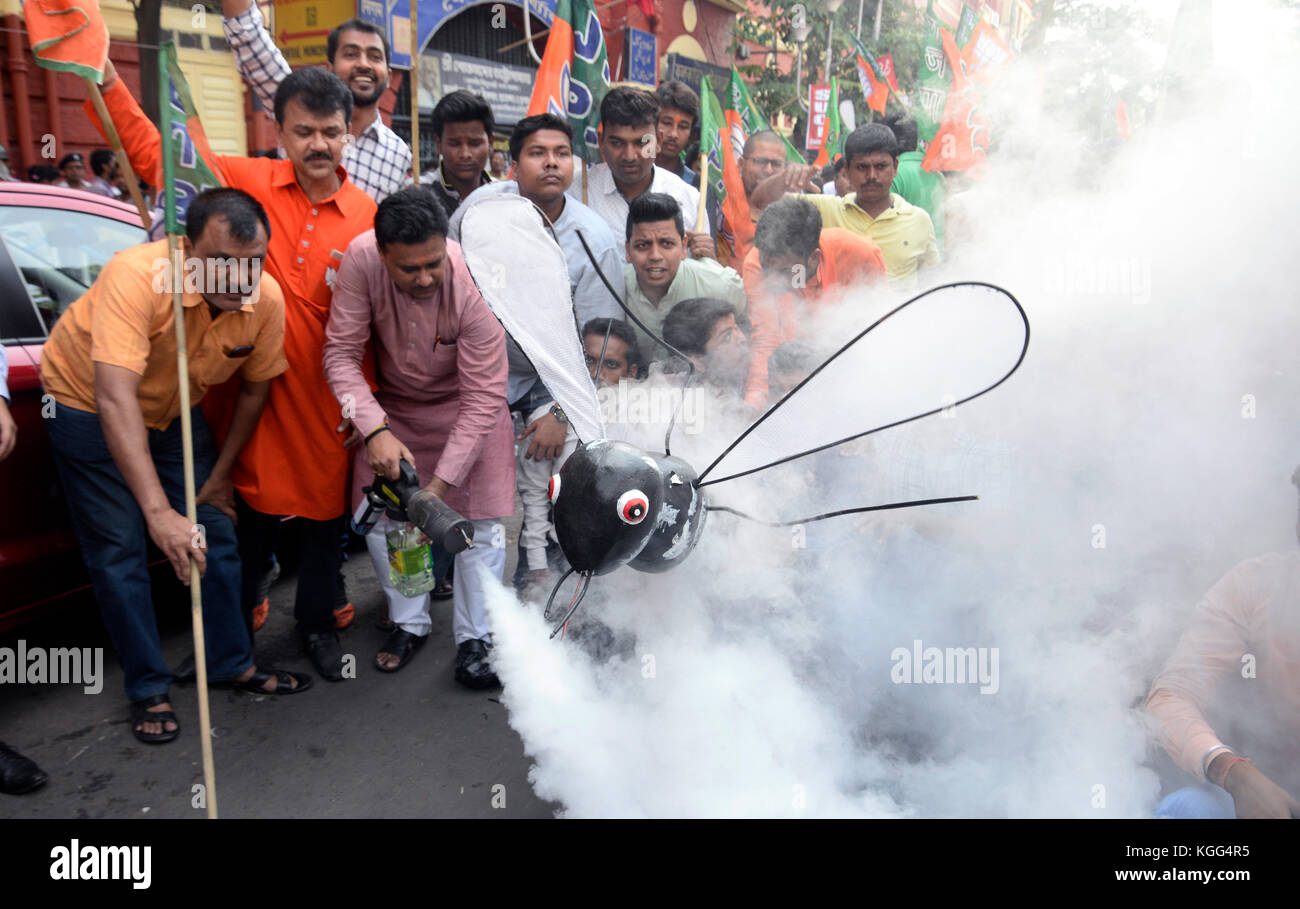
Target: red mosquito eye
{"points": [[553, 488], [632, 506]]}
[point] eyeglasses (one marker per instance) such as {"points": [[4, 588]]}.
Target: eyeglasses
{"points": [[767, 163]]}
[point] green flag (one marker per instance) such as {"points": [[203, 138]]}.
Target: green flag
{"points": [[752, 119], [966, 24], [713, 130], [588, 80], [834, 135], [189, 167], [934, 75]]}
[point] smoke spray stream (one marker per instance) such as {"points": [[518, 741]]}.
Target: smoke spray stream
{"points": [[986, 659]]}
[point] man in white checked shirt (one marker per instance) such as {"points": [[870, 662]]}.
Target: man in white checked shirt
{"points": [[377, 159]]}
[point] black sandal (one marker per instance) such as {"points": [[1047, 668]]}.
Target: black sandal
{"points": [[284, 680], [140, 714], [401, 644]]}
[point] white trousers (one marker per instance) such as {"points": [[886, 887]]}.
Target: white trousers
{"points": [[532, 479], [469, 599]]}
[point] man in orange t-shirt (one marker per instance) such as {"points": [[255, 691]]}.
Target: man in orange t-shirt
{"points": [[110, 366], [296, 462], [795, 267]]}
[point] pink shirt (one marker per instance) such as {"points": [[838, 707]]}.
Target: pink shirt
{"points": [[441, 374], [1253, 612]]}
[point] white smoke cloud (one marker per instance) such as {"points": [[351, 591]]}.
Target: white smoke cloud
{"points": [[1143, 449]]}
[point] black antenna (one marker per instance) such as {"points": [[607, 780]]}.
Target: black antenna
{"points": [[836, 514], [690, 366], [699, 482]]}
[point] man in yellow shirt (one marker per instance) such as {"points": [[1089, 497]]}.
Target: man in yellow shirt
{"points": [[904, 232]]}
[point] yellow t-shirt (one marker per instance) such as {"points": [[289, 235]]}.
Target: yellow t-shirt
{"points": [[904, 233]]}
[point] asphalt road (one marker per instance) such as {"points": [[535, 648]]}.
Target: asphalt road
{"points": [[408, 744]]}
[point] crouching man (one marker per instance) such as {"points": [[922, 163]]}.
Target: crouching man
{"points": [[110, 365], [441, 406]]}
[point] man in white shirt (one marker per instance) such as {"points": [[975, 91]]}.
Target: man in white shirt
{"points": [[542, 149], [627, 147]]}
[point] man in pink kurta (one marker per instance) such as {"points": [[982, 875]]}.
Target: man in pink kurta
{"points": [[441, 405]]}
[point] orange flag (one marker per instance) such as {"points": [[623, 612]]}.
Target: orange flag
{"points": [[963, 136], [551, 90], [985, 53], [1121, 119], [68, 35]]}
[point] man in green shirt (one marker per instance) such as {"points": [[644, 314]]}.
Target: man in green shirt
{"points": [[925, 189], [660, 272]]}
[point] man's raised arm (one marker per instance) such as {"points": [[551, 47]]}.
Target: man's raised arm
{"points": [[258, 59], [139, 136]]}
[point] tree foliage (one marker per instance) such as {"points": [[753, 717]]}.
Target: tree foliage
{"points": [[901, 30]]}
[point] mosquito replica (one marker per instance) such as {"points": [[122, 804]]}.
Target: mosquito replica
{"points": [[616, 504]]}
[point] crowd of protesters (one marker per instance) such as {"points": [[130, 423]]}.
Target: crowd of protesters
{"points": [[369, 343]]}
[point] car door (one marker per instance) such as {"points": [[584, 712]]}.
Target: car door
{"points": [[48, 257]]}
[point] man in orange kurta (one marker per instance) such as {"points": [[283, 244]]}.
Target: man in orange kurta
{"points": [[295, 463]]}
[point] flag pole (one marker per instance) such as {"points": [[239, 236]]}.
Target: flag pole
{"points": [[702, 216], [167, 56], [132, 185], [414, 76], [191, 514]]}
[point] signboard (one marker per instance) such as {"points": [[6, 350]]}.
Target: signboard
{"points": [[301, 27], [819, 104], [642, 51], [692, 72], [507, 88], [431, 14]]}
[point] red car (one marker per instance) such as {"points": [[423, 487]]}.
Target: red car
{"points": [[53, 242]]}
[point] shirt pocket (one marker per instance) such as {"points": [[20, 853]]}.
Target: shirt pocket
{"points": [[443, 364]]}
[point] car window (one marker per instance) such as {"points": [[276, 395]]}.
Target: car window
{"points": [[60, 253]]}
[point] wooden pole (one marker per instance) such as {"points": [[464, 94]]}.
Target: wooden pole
{"points": [[97, 99], [191, 514], [415, 92], [546, 31], [702, 217]]}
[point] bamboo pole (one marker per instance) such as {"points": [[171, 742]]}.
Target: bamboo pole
{"points": [[546, 31], [702, 216], [191, 514], [415, 92], [132, 185]]}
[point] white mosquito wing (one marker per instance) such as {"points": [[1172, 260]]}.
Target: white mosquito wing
{"points": [[934, 352], [521, 272]]}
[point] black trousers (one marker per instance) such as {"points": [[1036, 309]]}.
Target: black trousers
{"points": [[318, 567]]}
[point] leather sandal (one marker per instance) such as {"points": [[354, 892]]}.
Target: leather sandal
{"points": [[284, 680], [140, 714], [401, 644]]}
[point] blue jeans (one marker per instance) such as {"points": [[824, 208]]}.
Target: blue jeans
{"points": [[1200, 801], [111, 531]]}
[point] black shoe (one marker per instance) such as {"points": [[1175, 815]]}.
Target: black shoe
{"points": [[326, 654], [401, 644], [17, 773], [472, 667]]}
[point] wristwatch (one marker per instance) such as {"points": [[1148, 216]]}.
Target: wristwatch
{"points": [[558, 414]]}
